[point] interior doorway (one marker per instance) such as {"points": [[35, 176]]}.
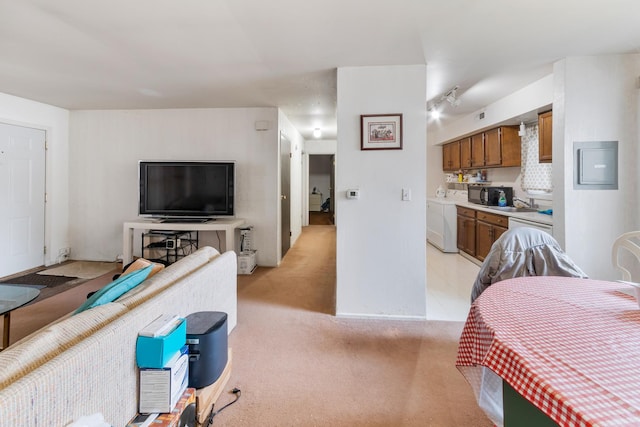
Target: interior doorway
{"points": [[321, 189], [22, 173]]}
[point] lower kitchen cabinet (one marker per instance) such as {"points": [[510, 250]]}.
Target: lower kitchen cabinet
{"points": [[466, 230], [486, 234], [477, 230]]}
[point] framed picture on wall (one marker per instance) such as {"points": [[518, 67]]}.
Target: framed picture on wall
{"points": [[381, 132]]}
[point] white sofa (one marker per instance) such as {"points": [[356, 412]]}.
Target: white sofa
{"points": [[85, 364]]}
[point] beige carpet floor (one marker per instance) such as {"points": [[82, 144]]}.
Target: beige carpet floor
{"points": [[298, 365]]}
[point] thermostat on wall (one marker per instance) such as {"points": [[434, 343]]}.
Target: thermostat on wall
{"points": [[353, 194]]}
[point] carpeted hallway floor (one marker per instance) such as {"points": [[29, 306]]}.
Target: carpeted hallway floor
{"points": [[298, 365]]}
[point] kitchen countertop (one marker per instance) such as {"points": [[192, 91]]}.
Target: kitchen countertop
{"points": [[529, 216]]}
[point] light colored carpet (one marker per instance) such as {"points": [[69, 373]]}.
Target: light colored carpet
{"points": [[299, 365], [81, 269]]}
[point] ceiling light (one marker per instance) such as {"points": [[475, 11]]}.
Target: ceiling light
{"points": [[317, 133], [435, 114]]}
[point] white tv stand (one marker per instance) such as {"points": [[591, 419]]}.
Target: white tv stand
{"points": [[220, 224]]}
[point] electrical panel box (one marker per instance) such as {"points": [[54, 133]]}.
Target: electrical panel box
{"points": [[595, 165]]}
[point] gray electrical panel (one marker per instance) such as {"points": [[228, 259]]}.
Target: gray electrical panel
{"points": [[595, 165]]}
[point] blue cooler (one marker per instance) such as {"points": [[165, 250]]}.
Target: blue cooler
{"points": [[208, 347]]}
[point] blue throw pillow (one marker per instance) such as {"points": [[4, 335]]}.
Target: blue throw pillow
{"points": [[116, 288]]}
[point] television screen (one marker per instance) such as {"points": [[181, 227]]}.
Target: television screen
{"points": [[197, 189]]}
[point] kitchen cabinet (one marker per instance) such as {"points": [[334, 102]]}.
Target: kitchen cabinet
{"points": [[477, 150], [502, 147], [451, 156], [477, 230], [545, 125], [492, 148], [488, 228], [498, 147], [465, 153], [466, 222]]}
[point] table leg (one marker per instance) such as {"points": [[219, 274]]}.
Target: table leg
{"points": [[5, 331], [230, 239], [127, 245]]}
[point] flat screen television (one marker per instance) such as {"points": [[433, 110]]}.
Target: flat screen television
{"points": [[186, 189]]}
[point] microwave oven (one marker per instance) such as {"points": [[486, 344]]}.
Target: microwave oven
{"points": [[477, 194], [484, 195]]}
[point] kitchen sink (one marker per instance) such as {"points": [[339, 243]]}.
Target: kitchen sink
{"points": [[512, 209]]}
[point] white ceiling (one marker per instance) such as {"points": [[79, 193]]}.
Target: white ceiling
{"points": [[121, 54]]}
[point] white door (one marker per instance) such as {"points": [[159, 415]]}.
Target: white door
{"points": [[22, 186]]}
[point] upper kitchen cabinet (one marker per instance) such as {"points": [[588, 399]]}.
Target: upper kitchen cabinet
{"points": [[492, 148], [451, 156], [510, 146], [477, 150], [499, 147], [465, 153], [545, 124]]}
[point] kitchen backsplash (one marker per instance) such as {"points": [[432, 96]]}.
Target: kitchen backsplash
{"points": [[535, 175]]}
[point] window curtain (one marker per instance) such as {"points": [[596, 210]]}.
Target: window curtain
{"points": [[535, 175]]}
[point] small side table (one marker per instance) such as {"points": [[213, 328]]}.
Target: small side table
{"points": [[12, 297]]}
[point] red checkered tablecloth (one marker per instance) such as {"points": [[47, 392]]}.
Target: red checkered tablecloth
{"points": [[569, 346]]}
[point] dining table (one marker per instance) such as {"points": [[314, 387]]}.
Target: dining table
{"points": [[13, 296], [569, 347]]}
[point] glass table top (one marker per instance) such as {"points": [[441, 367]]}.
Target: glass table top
{"points": [[14, 296]]}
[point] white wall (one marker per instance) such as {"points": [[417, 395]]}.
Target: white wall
{"points": [[105, 147], [55, 121], [381, 249], [595, 99]]}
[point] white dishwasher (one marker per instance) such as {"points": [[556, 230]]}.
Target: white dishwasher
{"points": [[519, 222], [442, 224]]}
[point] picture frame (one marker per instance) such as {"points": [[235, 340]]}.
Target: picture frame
{"points": [[381, 132]]}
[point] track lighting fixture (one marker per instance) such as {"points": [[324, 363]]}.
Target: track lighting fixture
{"points": [[450, 96]]}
